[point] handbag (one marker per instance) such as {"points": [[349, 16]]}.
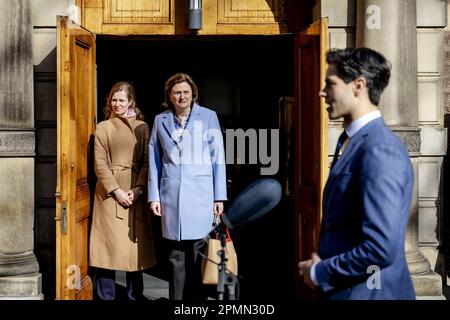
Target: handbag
{"points": [[210, 273]]}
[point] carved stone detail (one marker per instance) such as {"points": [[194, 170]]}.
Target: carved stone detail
{"points": [[17, 143], [410, 137]]}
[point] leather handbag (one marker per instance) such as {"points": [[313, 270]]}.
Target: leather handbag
{"points": [[210, 273]]}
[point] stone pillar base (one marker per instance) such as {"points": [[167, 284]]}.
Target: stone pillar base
{"points": [[23, 287], [428, 286]]}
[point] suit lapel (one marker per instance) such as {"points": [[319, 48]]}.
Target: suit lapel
{"points": [[347, 155], [195, 116], [353, 145], [169, 125]]}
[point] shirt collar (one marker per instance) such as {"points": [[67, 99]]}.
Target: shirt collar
{"points": [[359, 123]]}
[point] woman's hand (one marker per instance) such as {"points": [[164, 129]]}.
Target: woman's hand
{"points": [[218, 208], [123, 198], [155, 206], [134, 193]]}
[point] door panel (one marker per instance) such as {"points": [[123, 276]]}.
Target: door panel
{"points": [[170, 17], [311, 140], [75, 125]]}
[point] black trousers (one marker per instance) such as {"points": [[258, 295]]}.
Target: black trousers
{"points": [[105, 282], [185, 279]]}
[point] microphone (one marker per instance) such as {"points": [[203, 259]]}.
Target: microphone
{"points": [[252, 203], [255, 201]]}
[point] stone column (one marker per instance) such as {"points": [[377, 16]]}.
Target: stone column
{"points": [[390, 28], [19, 276]]}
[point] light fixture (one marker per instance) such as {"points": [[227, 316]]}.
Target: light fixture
{"points": [[195, 15]]}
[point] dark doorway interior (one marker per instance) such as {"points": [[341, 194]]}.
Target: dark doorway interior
{"points": [[242, 79]]}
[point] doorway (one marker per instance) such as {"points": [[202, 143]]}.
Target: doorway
{"points": [[242, 79]]}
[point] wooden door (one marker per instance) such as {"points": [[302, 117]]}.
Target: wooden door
{"points": [[169, 17], [311, 139], [75, 124]]}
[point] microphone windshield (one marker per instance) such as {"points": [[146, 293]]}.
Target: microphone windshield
{"points": [[255, 201]]}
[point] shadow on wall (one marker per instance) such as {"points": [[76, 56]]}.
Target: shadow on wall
{"points": [[45, 171], [444, 252]]}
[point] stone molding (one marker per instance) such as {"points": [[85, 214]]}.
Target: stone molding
{"points": [[17, 143], [18, 264], [26, 287], [410, 137]]}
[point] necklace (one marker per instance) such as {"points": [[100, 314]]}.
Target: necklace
{"points": [[182, 120]]}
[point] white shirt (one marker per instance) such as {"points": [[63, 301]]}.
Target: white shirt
{"points": [[359, 123], [351, 130]]}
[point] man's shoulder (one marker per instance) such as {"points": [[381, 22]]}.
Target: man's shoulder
{"points": [[379, 132], [382, 143]]}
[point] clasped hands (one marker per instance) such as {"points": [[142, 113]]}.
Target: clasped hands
{"points": [[305, 269], [125, 198]]}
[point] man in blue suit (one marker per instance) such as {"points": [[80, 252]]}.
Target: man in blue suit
{"points": [[368, 194]]}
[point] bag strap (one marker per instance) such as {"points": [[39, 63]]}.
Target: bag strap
{"points": [[228, 235], [216, 222]]}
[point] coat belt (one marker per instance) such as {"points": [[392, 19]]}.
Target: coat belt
{"points": [[123, 166], [115, 168]]}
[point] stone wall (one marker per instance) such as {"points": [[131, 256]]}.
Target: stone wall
{"points": [[19, 270], [446, 73]]}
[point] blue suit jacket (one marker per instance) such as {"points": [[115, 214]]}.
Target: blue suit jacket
{"points": [[366, 206], [187, 176]]}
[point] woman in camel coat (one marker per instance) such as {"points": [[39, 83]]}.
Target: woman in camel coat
{"points": [[121, 233]]}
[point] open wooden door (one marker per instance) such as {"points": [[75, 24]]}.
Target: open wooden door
{"points": [[76, 107], [311, 139]]}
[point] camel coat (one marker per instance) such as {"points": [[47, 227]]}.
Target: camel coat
{"points": [[121, 239]]}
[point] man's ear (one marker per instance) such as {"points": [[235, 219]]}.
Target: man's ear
{"points": [[359, 84]]}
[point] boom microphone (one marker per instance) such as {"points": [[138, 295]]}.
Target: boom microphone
{"points": [[255, 201]]}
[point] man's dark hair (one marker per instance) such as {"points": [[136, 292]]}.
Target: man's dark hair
{"points": [[352, 63]]}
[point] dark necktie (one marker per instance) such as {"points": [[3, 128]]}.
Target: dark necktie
{"points": [[339, 145]]}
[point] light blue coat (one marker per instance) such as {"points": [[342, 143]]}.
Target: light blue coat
{"points": [[187, 177]]}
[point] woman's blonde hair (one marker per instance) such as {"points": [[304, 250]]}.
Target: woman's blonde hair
{"points": [[174, 80], [129, 90]]}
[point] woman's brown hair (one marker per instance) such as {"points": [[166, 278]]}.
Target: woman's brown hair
{"points": [[128, 88], [174, 80]]}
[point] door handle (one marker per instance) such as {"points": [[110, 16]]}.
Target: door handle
{"points": [[64, 218]]}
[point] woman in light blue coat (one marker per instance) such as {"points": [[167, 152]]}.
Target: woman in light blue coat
{"points": [[187, 180]]}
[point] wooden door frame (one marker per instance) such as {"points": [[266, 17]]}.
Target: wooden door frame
{"points": [[67, 273], [319, 31], [318, 28]]}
